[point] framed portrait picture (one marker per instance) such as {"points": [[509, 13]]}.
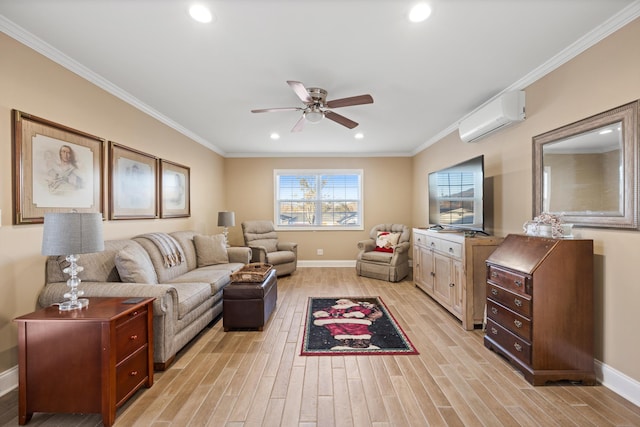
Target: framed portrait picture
{"points": [[56, 169], [174, 190], [133, 183]]}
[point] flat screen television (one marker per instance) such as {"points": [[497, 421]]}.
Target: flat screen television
{"points": [[456, 197]]}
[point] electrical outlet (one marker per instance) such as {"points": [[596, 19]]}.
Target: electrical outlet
{"points": [[320, 252]]}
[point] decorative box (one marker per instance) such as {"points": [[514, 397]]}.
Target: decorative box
{"points": [[253, 272]]}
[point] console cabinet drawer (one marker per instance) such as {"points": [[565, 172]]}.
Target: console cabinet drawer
{"points": [[517, 302]]}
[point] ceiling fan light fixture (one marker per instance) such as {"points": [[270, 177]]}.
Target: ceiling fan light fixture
{"points": [[313, 116]]}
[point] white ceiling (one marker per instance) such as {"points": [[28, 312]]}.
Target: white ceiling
{"points": [[203, 79]]}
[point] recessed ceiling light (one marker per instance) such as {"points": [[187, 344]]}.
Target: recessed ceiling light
{"points": [[358, 135], [274, 136], [200, 13], [419, 12]]}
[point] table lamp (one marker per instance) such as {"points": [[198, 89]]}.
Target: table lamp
{"points": [[226, 219], [70, 234]]}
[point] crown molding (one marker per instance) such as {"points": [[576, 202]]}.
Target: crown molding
{"points": [[21, 35], [609, 27]]}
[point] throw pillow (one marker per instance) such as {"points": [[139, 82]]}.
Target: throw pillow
{"points": [[135, 266], [210, 250], [386, 241]]}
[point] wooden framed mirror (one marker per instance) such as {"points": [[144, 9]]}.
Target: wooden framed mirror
{"points": [[588, 171]]}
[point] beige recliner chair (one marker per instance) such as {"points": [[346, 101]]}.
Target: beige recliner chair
{"points": [[385, 255], [262, 238]]}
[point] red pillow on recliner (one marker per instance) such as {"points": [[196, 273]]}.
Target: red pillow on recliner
{"points": [[386, 241]]}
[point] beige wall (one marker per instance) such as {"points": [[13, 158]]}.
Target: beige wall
{"points": [[605, 76], [387, 191], [395, 189], [33, 84]]}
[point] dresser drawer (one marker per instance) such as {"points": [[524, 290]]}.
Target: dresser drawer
{"points": [[520, 303], [131, 334], [131, 374], [513, 281], [452, 249], [516, 346], [516, 323]]}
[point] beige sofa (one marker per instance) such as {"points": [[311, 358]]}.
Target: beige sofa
{"points": [[185, 271]]}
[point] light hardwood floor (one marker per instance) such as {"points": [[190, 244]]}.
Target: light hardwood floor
{"points": [[248, 378]]}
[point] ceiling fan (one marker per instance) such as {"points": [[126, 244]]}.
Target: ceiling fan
{"points": [[316, 106]]}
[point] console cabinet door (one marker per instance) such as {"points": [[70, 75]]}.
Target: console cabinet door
{"points": [[443, 283]]}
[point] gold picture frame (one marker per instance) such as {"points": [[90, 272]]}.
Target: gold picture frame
{"points": [[175, 188], [55, 169], [133, 183]]}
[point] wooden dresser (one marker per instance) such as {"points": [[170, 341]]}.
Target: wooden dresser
{"points": [[540, 307], [451, 269], [88, 361]]}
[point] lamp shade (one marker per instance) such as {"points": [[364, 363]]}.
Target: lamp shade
{"points": [[72, 233], [226, 219]]}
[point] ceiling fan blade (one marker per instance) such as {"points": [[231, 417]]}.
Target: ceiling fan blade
{"points": [[301, 91], [299, 125], [340, 119], [352, 100], [270, 110]]}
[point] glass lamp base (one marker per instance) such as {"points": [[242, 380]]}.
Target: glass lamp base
{"points": [[78, 304]]}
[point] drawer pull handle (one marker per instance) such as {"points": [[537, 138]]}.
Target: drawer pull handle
{"points": [[517, 302], [494, 310], [433, 244], [133, 337], [518, 283], [432, 274], [517, 346], [494, 274], [494, 292], [517, 323], [451, 285], [133, 373], [494, 331], [450, 250], [135, 313]]}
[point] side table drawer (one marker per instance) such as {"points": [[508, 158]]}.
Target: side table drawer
{"points": [[131, 335], [516, 346], [131, 375]]}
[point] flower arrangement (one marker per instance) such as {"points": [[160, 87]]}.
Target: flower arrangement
{"points": [[545, 224]]}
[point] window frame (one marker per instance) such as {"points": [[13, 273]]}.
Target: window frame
{"points": [[277, 173]]}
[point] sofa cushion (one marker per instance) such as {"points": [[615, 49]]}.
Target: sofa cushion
{"points": [[217, 278], [134, 265], [378, 257], [386, 241], [210, 250]]}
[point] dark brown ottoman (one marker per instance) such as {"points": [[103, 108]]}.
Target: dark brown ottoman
{"points": [[248, 305]]}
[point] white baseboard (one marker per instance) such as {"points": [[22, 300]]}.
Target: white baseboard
{"points": [[618, 382], [8, 380]]}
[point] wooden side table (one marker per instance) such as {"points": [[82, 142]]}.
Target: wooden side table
{"points": [[85, 361]]}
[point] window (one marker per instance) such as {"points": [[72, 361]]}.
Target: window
{"points": [[318, 199]]}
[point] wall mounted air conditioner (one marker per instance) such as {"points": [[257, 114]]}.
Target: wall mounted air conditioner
{"points": [[503, 111]]}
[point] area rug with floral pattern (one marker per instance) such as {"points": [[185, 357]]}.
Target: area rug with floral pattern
{"points": [[352, 325]]}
